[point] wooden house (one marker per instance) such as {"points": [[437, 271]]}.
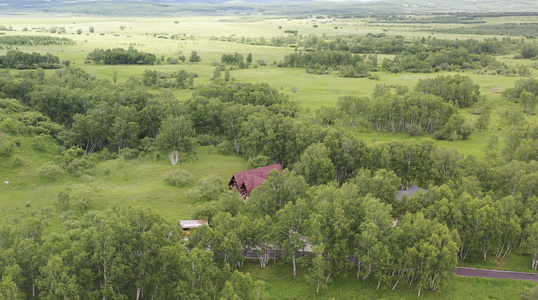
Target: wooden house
{"points": [[246, 181]]}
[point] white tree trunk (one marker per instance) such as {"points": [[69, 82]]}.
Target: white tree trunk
{"points": [[174, 157], [294, 266]]}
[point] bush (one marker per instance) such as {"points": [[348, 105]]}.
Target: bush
{"points": [[173, 61], [207, 189], [129, 153], [259, 161], [50, 172], [179, 178], [413, 129], [226, 147], [76, 198], [8, 126], [18, 161], [206, 140], [39, 144], [6, 147], [77, 167]]}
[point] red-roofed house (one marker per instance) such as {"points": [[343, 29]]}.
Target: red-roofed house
{"points": [[247, 181]]}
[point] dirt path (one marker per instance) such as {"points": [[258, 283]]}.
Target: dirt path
{"points": [[470, 272]]}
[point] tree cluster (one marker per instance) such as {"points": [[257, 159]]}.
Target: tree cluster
{"points": [[236, 59], [112, 254], [20, 60], [525, 92], [417, 56], [96, 114], [119, 56], [381, 44], [431, 107], [32, 40], [349, 65]]}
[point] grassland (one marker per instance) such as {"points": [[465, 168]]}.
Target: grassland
{"points": [[138, 182], [198, 34], [281, 285]]}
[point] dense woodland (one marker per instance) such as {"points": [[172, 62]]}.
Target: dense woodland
{"points": [[334, 207], [337, 192]]}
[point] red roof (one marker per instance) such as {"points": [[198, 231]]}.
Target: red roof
{"points": [[251, 179]]}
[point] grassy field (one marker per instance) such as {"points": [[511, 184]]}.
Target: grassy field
{"points": [[281, 285], [138, 182], [135, 183]]}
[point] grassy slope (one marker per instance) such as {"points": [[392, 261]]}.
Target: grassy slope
{"points": [[136, 182]]}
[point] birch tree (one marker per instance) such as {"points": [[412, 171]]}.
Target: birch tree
{"points": [[176, 138], [289, 230]]}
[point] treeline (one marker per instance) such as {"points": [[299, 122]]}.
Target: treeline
{"points": [[427, 19], [421, 55], [113, 254], [21, 60], [33, 40], [431, 107], [95, 114], [118, 56], [355, 65], [514, 29], [381, 44]]}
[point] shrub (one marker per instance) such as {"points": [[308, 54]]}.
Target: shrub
{"points": [[173, 61], [76, 198], [129, 153], [6, 147], [50, 172], [413, 129], [8, 125], [18, 161], [259, 161], [179, 178], [206, 140], [207, 189], [39, 143], [226, 147]]}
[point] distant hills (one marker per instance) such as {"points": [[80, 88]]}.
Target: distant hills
{"points": [[262, 7]]}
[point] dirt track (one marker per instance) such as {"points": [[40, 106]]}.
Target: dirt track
{"points": [[470, 272]]}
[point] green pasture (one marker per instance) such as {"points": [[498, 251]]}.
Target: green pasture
{"points": [[281, 285], [136, 182], [202, 34], [518, 260]]}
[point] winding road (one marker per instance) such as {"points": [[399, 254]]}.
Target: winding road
{"points": [[471, 272]]}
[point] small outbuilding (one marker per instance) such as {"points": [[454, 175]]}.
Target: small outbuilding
{"points": [[246, 181], [409, 192], [190, 224]]}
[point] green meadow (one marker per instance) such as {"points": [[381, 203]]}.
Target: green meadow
{"points": [[280, 285], [139, 181], [206, 35]]}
